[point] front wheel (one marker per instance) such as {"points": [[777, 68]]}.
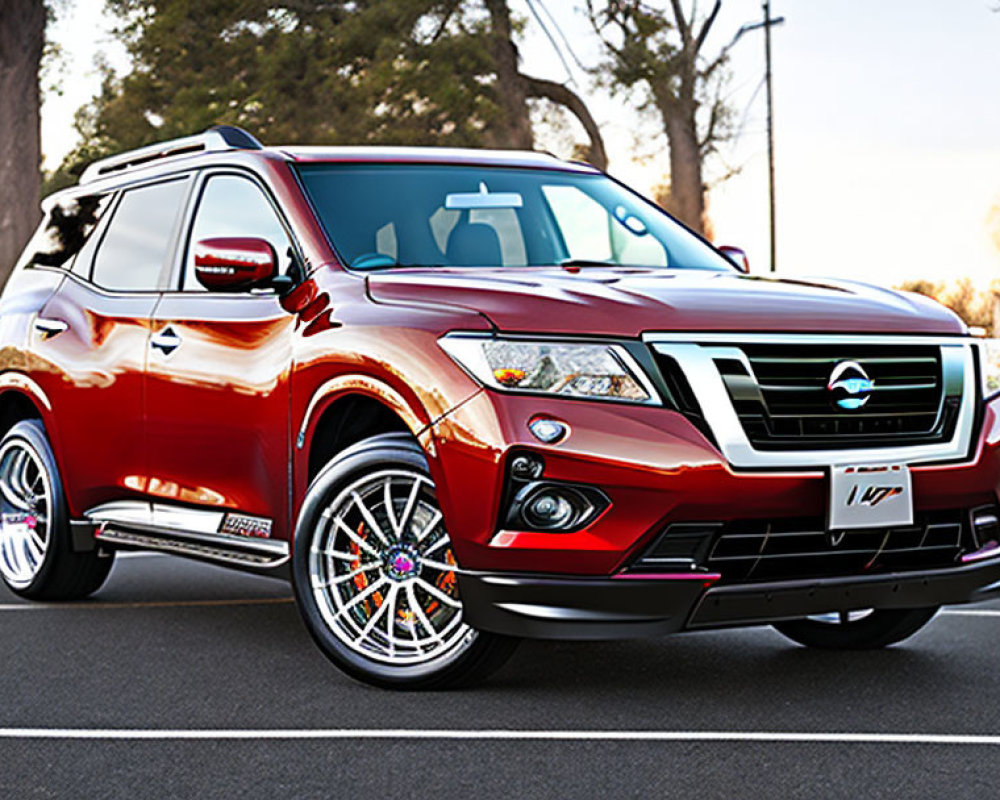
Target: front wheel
{"points": [[868, 629], [374, 574]]}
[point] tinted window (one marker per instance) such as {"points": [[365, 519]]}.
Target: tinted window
{"points": [[66, 229], [136, 246], [235, 206]]}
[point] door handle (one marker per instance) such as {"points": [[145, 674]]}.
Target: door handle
{"points": [[50, 327], [165, 341]]}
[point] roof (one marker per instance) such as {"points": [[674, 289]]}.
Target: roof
{"points": [[227, 139], [431, 155]]}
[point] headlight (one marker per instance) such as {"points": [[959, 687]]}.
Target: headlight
{"points": [[989, 351], [598, 371]]}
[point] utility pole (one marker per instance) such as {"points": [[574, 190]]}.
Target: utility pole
{"points": [[770, 128], [767, 24]]}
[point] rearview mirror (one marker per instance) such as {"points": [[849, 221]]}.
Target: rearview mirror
{"points": [[234, 263], [737, 256]]}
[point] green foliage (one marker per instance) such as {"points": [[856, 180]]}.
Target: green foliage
{"points": [[322, 72]]}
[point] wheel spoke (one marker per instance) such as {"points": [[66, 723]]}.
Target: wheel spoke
{"points": [[343, 526], [358, 598], [373, 621], [440, 566], [391, 623], [430, 526], [411, 598], [433, 590], [318, 584], [369, 519], [390, 507], [11, 496], [408, 509]]}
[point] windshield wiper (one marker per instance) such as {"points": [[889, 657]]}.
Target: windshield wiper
{"points": [[586, 262]]}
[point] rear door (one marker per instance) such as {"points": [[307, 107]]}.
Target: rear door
{"points": [[90, 340], [217, 402]]}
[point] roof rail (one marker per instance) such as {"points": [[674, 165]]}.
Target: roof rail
{"points": [[217, 138]]}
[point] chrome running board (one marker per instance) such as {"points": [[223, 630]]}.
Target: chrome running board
{"points": [[187, 532]]}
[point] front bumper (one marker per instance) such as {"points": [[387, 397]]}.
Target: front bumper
{"points": [[655, 467], [558, 607]]}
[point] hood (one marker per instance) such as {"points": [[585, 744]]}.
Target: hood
{"points": [[628, 302]]}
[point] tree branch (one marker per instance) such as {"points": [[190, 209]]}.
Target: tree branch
{"points": [[682, 24], [566, 97], [709, 21]]}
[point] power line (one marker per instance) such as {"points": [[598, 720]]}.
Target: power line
{"points": [[552, 40], [559, 30]]}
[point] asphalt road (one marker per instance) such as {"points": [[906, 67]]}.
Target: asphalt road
{"points": [[186, 650]]}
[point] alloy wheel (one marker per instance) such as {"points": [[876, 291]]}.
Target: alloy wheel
{"points": [[382, 571], [26, 507]]}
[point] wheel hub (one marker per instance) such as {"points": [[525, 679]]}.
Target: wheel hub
{"points": [[402, 562]]}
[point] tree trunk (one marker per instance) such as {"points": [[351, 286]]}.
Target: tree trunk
{"points": [[22, 37], [687, 187], [514, 129]]}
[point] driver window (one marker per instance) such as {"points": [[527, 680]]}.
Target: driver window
{"points": [[234, 206]]}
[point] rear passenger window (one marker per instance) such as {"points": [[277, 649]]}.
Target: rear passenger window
{"points": [[136, 246]]}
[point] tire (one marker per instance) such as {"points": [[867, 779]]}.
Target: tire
{"points": [[37, 560], [373, 572], [867, 630]]}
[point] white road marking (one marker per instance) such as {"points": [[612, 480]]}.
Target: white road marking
{"points": [[256, 601], [509, 735]]}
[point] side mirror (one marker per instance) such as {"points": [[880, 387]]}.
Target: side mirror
{"points": [[234, 263], [737, 256]]}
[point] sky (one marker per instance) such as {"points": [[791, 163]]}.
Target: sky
{"points": [[886, 126]]}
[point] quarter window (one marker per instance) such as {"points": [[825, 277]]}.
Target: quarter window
{"points": [[68, 227], [137, 246], [234, 206]]}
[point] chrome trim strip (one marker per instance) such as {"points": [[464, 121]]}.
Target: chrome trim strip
{"points": [[191, 524], [695, 354]]}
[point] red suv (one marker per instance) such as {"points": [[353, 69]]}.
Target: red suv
{"points": [[462, 397]]}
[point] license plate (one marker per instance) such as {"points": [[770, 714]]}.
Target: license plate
{"points": [[870, 496]]}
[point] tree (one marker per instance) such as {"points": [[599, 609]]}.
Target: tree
{"points": [[22, 39], [317, 71], [514, 88], [659, 53]]}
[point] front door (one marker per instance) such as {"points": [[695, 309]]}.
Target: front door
{"points": [[217, 391]]}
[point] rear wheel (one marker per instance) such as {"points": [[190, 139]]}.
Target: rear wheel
{"points": [[37, 560], [867, 629], [375, 574]]}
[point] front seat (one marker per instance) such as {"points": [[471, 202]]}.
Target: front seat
{"points": [[474, 244]]}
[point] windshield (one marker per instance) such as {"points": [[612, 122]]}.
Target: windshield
{"points": [[380, 216]]}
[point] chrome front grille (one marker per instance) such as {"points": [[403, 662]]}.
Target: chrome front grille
{"points": [[775, 400], [781, 394]]}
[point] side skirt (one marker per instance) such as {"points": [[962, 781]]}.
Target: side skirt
{"points": [[192, 533]]}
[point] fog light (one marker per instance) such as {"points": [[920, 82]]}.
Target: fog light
{"points": [[548, 431], [549, 509]]}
